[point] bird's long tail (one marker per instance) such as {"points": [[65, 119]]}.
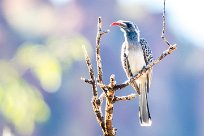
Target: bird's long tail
{"points": [[144, 115]]}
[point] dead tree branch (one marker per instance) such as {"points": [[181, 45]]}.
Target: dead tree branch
{"points": [[95, 103], [108, 91], [124, 98]]}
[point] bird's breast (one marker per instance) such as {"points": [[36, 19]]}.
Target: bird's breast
{"points": [[135, 58]]}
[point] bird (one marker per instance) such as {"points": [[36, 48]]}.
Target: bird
{"points": [[135, 55]]}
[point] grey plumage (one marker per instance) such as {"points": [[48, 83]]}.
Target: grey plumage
{"points": [[136, 54]]}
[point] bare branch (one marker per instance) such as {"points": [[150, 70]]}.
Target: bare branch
{"points": [[96, 107], [164, 25], [97, 110], [124, 98], [89, 81], [98, 57], [121, 86], [91, 72]]}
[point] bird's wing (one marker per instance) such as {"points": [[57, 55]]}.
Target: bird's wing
{"points": [[147, 57], [146, 51]]}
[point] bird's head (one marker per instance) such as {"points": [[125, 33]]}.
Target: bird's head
{"points": [[126, 26]]}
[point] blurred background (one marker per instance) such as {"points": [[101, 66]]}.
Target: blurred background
{"points": [[41, 62]]}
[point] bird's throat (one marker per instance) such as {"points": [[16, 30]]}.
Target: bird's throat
{"points": [[131, 38]]}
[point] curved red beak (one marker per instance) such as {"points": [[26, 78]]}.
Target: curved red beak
{"points": [[118, 23], [115, 24]]}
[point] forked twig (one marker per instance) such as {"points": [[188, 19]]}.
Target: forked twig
{"points": [[95, 103]]}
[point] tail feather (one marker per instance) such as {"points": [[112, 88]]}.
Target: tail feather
{"points": [[144, 114]]}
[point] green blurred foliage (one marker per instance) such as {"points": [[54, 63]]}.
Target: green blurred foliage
{"points": [[44, 65], [20, 102]]}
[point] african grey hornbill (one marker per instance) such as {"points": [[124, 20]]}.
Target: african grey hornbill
{"points": [[136, 54]]}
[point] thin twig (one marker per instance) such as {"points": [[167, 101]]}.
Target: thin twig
{"points": [[164, 25], [89, 81], [121, 86], [98, 56], [91, 72], [124, 98]]}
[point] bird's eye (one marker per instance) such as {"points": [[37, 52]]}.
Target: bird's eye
{"points": [[129, 25]]}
